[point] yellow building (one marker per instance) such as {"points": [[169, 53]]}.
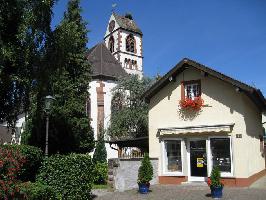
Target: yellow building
{"points": [[199, 118]]}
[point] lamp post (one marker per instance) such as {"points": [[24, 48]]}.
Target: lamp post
{"points": [[48, 101]]}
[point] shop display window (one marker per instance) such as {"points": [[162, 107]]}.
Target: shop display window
{"points": [[173, 157], [221, 154]]}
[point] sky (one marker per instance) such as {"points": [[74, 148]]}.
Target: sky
{"points": [[226, 35]]}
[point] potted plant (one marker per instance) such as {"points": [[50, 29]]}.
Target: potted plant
{"points": [[145, 174], [215, 183]]}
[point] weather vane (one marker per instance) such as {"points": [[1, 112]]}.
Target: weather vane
{"points": [[113, 7]]}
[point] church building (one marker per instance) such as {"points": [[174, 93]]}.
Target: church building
{"points": [[119, 55]]}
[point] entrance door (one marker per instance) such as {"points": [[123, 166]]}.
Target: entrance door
{"points": [[198, 160]]}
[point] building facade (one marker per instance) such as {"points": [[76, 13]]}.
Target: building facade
{"points": [[119, 55], [226, 131], [124, 39]]}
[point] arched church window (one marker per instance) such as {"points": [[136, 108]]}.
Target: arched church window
{"points": [[111, 44], [130, 43]]}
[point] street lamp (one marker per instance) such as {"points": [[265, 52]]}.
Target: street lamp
{"points": [[47, 101]]}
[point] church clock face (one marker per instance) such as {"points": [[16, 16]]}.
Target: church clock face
{"points": [[111, 25]]}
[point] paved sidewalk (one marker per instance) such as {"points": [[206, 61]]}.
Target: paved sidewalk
{"points": [[261, 183], [180, 192]]}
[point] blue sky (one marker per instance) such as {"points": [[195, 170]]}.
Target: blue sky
{"points": [[226, 35]]}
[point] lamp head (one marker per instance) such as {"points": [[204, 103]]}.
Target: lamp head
{"points": [[48, 101]]}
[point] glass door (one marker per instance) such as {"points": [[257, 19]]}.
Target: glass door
{"points": [[198, 160]]}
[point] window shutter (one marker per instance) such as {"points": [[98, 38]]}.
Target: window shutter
{"points": [[182, 91]]}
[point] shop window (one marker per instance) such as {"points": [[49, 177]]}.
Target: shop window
{"points": [[221, 154], [192, 89], [130, 43], [172, 156], [111, 44]]}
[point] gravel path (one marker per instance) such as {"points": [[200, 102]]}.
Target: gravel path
{"points": [[174, 192]]}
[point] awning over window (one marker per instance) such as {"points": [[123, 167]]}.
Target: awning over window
{"points": [[218, 128]]}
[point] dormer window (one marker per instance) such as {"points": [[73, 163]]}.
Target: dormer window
{"points": [[192, 89], [130, 43]]}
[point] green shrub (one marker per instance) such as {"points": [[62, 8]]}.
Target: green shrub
{"points": [[37, 191], [215, 178], [145, 172], [33, 157], [100, 173], [71, 176], [100, 154]]}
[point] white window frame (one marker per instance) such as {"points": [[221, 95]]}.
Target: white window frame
{"points": [[191, 89], [210, 163], [164, 157]]}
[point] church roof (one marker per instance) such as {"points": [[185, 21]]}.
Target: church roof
{"points": [[127, 24], [103, 63]]}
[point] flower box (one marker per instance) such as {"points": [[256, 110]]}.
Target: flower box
{"points": [[194, 104]]}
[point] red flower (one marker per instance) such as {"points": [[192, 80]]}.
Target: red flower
{"points": [[194, 104], [209, 182]]}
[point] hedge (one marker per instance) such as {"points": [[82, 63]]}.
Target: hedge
{"points": [[71, 176], [36, 191]]}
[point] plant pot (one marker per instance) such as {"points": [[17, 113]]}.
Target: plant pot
{"points": [[144, 188], [216, 192]]}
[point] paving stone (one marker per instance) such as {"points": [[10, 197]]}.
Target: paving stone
{"points": [[183, 192]]}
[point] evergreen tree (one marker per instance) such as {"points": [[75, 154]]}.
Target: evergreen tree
{"points": [[69, 79], [100, 154], [145, 172]]}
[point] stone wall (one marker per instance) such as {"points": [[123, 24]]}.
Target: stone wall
{"points": [[123, 173]]}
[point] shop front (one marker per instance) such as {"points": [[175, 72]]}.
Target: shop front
{"points": [[193, 155]]}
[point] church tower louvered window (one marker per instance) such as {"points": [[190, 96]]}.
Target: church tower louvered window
{"points": [[130, 43], [111, 44]]}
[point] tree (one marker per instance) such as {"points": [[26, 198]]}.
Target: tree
{"points": [[69, 71], [24, 30], [145, 172], [100, 154], [129, 114]]}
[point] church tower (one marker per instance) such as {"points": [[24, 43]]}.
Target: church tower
{"points": [[124, 39]]}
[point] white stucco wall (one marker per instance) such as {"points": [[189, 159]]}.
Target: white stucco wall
{"points": [[16, 138], [109, 85], [223, 105]]}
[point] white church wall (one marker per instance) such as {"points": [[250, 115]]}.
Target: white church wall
{"points": [[16, 137], [137, 71], [115, 35], [94, 112], [107, 28], [132, 56], [137, 37], [109, 85]]}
